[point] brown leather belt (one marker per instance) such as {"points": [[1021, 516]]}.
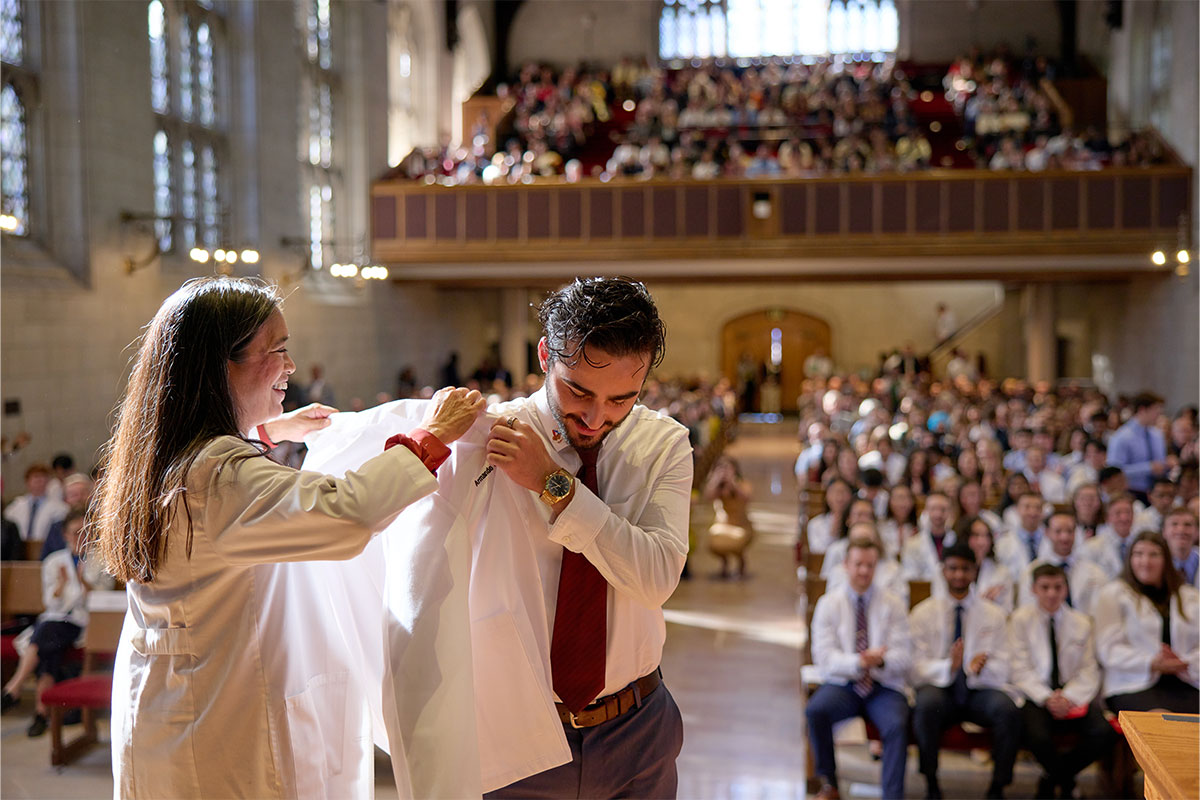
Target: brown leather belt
{"points": [[613, 706]]}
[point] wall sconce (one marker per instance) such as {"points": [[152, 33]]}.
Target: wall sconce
{"points": [[223, 257], [359, 269]]}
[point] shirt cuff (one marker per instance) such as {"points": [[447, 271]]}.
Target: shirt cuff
{"points": [[424, 445], [578, 525]]}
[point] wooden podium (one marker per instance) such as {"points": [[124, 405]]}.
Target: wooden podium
{"points": [[1166, 746]]}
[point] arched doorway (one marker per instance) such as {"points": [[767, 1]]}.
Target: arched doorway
{"points": [[775, 341]]}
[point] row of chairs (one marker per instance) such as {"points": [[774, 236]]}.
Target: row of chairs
{"points": [[21, 595]]}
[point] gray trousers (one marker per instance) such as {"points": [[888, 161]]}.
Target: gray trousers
{"points": [[630, 756]]}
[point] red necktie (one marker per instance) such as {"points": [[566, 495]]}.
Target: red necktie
{"points": [[580, 636]]}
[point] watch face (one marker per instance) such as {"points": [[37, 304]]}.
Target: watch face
{"points": [[558, 485]]}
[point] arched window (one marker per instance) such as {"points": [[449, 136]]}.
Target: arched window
{"points": [[185, 47], [689, 29], [319, 96], [14, 136]]}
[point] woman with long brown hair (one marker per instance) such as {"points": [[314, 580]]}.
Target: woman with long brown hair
{"points": [[193, 517], [1147, 638]]}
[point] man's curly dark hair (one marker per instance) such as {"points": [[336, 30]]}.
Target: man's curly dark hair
{"points": [[616, 315]]}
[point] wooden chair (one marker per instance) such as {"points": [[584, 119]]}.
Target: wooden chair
{"points": [[814, 587], [918, 591], [813, 498], [33, 550], [91, 691], [813, 563], [20, 595]]}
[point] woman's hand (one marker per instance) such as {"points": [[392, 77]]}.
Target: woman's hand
{"points": [[453, 413], [295, 425]]}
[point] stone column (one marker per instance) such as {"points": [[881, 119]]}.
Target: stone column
{"points": [[1037, 316], [514, 332]]}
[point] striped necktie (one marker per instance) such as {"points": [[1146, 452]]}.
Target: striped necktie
{"points": [[862, 686]]}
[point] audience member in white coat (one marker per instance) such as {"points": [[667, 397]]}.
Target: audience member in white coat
{"points": [[970, 504], [1162, 498], [824, 528], [959, 671], [1089, 512], [1043, 480], [1023, 543], [1084, 578], [859, 513], [36, 511], [1180, 530], [993, 581], [862, 651], [1147, 636], [195, 519], [921, 557], [900, 523], [1109, 548], [1053, 655], [888, 573]]}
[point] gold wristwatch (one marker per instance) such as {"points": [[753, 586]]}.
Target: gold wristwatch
{"points": [[558, 486]]}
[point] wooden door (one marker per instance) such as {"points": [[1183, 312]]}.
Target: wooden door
{"points": [[792, 335]]}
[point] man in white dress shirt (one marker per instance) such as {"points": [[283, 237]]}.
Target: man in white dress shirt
{"points": [[959, 671], [861, 649], [1084, 578], [611, 539], [1107, 548], [1054, 667], [1018, 546], [921, 557]]}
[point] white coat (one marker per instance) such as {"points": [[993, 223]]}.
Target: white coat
{"points": [[211, 695], [833, 638], [1085, 578], [49, 512], [1129, 636], [931, 624], [919, 556], [1029, 652]]}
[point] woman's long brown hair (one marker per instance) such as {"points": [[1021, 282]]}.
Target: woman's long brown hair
{"points": [[178, 399]]}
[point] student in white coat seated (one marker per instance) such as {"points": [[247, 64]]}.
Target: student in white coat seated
{"points": [[922, 554], [970, 504], [959, 671], [861, 512], [1147, 633], [1162, 498], [900, 523], [195, 519], [1052, 650], [1042, 479], [1089, 512], [36, 511], [830, 525], [1024, 542], [1180, 529], [861, 649], [1084, 578], [1109, 548], [888, 573]]}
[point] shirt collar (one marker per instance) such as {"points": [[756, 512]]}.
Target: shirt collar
{"points": [[867, 595], [966, 602], [554, 432]]}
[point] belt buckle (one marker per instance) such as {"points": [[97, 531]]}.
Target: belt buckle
{"points": [[574, 724]]}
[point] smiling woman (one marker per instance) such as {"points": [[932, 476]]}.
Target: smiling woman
{"points": [[197, 523]]}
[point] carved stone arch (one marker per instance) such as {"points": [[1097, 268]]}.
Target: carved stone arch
{"points": [[798, 336]]}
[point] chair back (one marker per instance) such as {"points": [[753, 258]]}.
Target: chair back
{"points": [[21, 587], [918, 591]]}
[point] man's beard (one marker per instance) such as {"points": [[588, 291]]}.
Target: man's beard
{"points": [[557, 412]]}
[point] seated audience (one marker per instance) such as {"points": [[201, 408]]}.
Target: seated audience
{"points": [[861, 649], [900, 522], [1052, 651], [35, 511], [1109, 548], [922, 554], [824, 528], [959, 670], [993, 581], [1180, 531], [1147, 637], [1023, 543], [1162, 497], [1084, 578]]}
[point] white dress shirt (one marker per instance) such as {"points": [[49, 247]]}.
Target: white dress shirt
{"points": [[1049, 484], [834, 633], [931, 625], [1012, 549], [1084, 578], [1104, 550], [991, 574], [49, 511], [1129, 636], [1029, 652]]}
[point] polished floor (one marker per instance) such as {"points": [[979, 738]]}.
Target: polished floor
{"points": [[732, 661]]}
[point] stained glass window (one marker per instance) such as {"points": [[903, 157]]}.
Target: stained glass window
{"points": [[762, 28], [163, 200], [14, 161], [185, 67], [204, 75], [160, 93], [211, 212], [318, 97], [12, 32]]}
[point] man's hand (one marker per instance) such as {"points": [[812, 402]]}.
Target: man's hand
{"points": [[295, 425], [453, 413], [872, 657], [519, 453], [1057, 704], [978, 662], [956, 656]]}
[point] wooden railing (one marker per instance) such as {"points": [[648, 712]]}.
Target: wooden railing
{"points": [[936, 213]]}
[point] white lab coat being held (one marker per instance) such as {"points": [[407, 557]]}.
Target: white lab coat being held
{"points": [[211, 695]]}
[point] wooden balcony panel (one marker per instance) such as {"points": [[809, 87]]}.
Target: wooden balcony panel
{"points": [[1135, 206], [696, 211], [416, 217], [731, 219], [861, 208], [508, 222], [1101, 204], [894, 208], [476, 223], [793, 210], [927, 207], [1031, 206], [383, 217], [960, 206], [633, 212], [665, 208], [538, 223], [570, 214], [1173, 194], [600, 214], [445, 217], [828, 203], [1064, 204], [996, 206]]}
